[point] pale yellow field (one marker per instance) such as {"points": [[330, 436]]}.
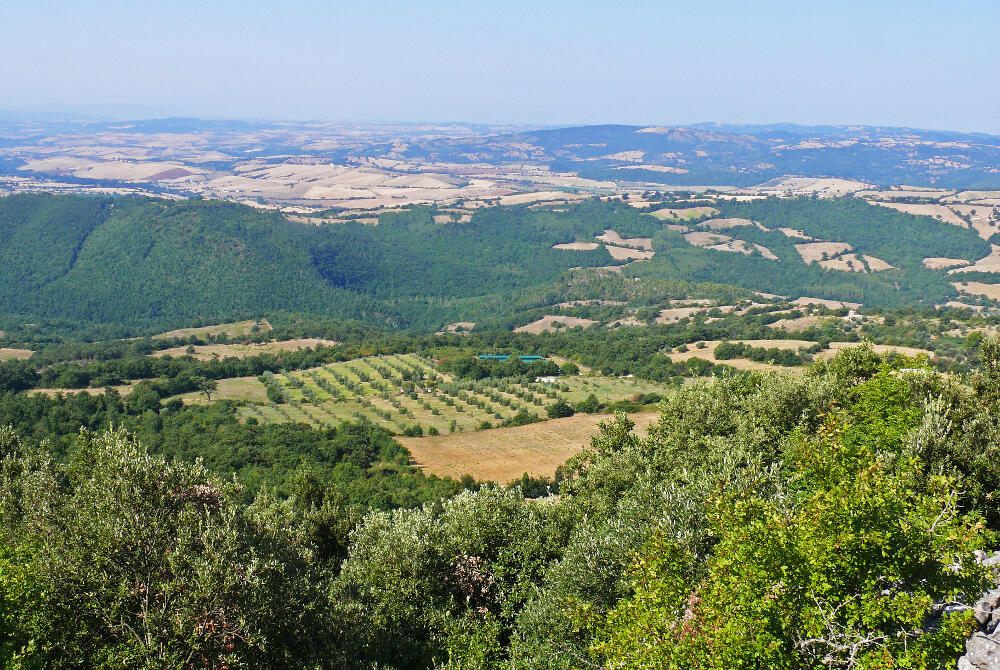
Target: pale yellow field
{"points": [[795, 234], [577, 246], [742, 247], [675, 314], [878, 348], [938, 263], [231, 329], [831, 304], [799, 324], [726, 224], [611, 237], [624, 254], [234, 388], [547, 324], [854, 263], [504, 454], [980, 218], [939, 212], [684, 214], [708, 353], [990, 263], [991, 291], [7, 354], [703, 238], [813, 251], [209, 351]]}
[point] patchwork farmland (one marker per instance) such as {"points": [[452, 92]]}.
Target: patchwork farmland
{"points": [[406, 394]]}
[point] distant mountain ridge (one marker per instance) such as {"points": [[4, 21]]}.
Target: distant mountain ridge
{"points": [[740, 155]]}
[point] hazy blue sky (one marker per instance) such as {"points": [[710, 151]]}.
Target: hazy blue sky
{"points": [[923, 64]]}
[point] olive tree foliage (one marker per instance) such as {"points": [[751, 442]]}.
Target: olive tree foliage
{"points": [[141, 563], [443, 584]]}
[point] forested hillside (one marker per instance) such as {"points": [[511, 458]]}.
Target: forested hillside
{"points": [[146, 263]]}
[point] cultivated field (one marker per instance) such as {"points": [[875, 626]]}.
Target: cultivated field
{"points": [[503, 455], [7, 354], [407, 394]]}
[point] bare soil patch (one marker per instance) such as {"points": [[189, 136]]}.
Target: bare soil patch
{"points": [[504, 454]]}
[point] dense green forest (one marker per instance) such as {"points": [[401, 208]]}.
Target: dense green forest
{"points": [[767, 520], [139, 264]]}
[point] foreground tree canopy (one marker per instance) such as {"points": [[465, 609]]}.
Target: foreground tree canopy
{"points": [[827, 519]]}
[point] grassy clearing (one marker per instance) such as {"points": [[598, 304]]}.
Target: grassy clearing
{"points": [[504, 454], [209, 351], [7, 354]]}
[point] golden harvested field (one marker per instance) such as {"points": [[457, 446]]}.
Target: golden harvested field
{"points": [[7, 354], [795, 234], [726, 224], [548, 324], [799, 324], [708, 353], [825, 187], [813, 251], [990, 263], [830, 304], [741, 247], [703, 238], [611, 237], [878, 348], [231, 329], [939, 212], [938, 263], [504, 454], [123, 390], [207, 352], [684, 214], [577, 246], [991, 291], [854, 263], [624, 254]]}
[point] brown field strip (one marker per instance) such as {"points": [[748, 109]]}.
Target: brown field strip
{"points": [[7, 354], [207, 352]]}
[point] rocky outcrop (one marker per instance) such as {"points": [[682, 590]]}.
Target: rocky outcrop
{"points": [[982, 651]]}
